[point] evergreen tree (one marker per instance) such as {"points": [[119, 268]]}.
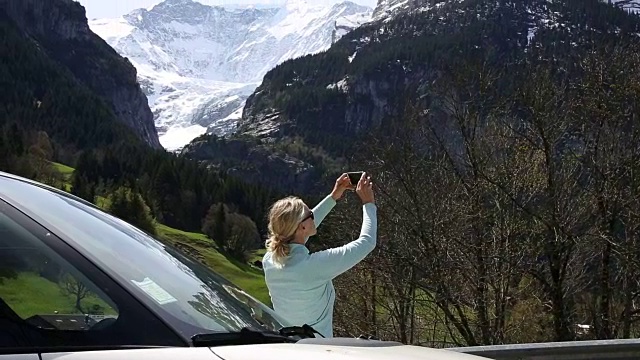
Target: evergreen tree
{"points": [[130, 207], [215, 224], [81, 187]]}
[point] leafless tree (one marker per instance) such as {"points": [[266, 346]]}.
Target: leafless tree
{"points": [[609, 129], [504, 215], [76, 289]]}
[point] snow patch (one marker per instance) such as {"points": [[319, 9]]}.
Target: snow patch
{"points": [[111, 30], [341, 85], [177, 137]]}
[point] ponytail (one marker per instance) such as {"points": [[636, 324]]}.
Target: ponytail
{"points": [[284, 218], [279, 246]]}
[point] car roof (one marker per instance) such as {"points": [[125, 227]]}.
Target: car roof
{"points": [[46, 187]]}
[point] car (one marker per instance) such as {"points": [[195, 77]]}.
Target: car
{"points": [[79, 283]]}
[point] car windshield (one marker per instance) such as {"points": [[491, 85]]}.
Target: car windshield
{"points": [[188, 295]]}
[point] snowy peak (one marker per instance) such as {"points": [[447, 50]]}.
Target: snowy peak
{"points": [[293, 5], [196, 40], [304, 27], [198, 63], [178, 7], [185, 11], [178, 2]]}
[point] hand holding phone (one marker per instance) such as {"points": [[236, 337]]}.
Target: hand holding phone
{"points": [[343, 183], [365, 189]]}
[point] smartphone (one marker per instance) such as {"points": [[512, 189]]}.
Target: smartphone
{"points": [[354, 176]]}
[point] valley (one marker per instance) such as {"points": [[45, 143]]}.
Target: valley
{"points": [[502, 137]]}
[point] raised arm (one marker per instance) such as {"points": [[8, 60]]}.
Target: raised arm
{"points": [[323, 208], [332, 262]]}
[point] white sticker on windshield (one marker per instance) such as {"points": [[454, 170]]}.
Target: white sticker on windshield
{"points": [[160, 295]]}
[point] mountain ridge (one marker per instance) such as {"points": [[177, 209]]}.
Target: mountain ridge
{"points": [[365, 81]]}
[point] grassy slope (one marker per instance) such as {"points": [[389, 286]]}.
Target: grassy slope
{"points": [[64, 170], [202, 248], [29, 294]]}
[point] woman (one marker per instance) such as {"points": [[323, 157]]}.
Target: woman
{"points": [[300, 283]]}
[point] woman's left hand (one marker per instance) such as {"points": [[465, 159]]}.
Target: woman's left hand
{"points": [[342, 184]]}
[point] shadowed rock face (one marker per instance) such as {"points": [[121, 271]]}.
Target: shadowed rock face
{"points": [[60, 28], [256, 163]]}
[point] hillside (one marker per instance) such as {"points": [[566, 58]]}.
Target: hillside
{"points": [[53, 41], [38, 93], [363, 81], [68, 97]]}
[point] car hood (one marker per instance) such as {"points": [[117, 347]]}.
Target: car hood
{"points": [[336, 352], [352, 351]]}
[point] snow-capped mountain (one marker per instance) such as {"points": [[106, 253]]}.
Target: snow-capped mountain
{"points": [[198, 63], [404, 61]]}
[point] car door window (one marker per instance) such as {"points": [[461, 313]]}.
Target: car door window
{"points": [[42, 296], [53, 299]]}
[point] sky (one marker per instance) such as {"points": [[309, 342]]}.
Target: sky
{"points": [[115, 8]]}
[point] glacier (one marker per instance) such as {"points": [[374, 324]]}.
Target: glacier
{"points": [[197, 64]]}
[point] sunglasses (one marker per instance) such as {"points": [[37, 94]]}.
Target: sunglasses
{"points": [[307, 217]]}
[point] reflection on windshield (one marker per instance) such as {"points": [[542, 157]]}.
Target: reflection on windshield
{"points": [[259, 311], [209, 304], [196, 299]]}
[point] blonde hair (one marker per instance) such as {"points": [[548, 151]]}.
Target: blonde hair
{"points": [[284, 217]]}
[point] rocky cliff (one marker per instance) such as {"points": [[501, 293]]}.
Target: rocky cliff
{"points": [[259, 162], [59, 27]]}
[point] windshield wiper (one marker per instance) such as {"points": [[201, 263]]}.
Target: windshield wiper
{"points": [[245, 336], [302, 331]]}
